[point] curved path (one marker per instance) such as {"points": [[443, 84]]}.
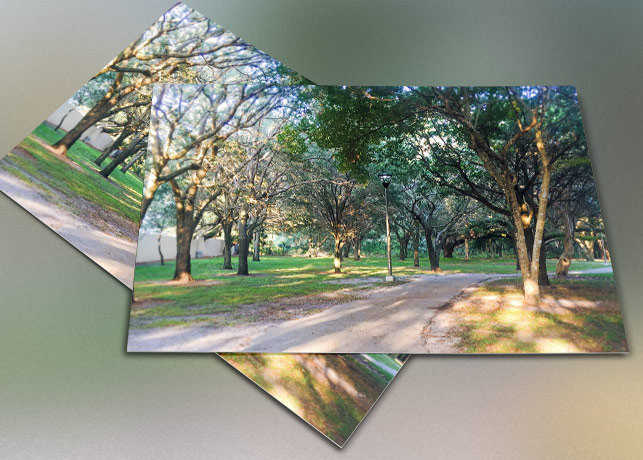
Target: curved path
{"points": [[389, 320]]}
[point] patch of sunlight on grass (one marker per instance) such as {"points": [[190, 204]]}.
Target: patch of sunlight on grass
{"points": [[555, 345], [515, 317], [287, 398], [500, 323]]}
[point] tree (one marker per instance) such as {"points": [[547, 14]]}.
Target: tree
{"points": [[190, 125], [436, 214], [265, 176], [181, 39], [226, 212], [365, 214], [328, 202], [403, 226], [186, 117], [504, 130], [137, 144], [160, 217]]}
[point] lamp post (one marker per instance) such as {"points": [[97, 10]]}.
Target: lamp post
{"points": [[385, 178]]}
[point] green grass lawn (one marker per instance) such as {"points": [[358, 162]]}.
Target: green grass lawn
{"points": [[121, 194], [387, 360], [274, 279], [579, 314]]}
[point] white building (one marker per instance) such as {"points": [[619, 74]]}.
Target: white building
{"points": [[147, 250], [94, 136]]}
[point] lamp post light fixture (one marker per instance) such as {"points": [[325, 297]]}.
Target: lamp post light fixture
{"points": [[385, 178]]}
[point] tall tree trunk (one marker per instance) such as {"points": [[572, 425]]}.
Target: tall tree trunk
{"points": [[404, 244], [434, 259], [530, 269], [255, 254], [449, 246], [114, 146], [62, 120], [513, 242], [466, 249], [357, 249], [244, 244], [158, 244], [185, 225], [184, 220], [227, 245], [310, 247], [416, 248], [346, 250], [603, 249], [121, 157], [565, 259], [134, 159], [97, 113], [543, 277], [337, 255]]}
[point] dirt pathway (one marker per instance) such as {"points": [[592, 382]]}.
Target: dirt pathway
{"points": [[600, 270], [115, 255], [387, 321], [381, 365]]}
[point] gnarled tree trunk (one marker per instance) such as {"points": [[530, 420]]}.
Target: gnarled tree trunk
{"points": [[337, 255]]}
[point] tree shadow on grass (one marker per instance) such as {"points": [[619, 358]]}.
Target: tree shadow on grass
{"points": [[331, 392]]}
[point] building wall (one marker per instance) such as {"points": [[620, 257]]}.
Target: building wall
{"points": [[94, 136], [73, 116], [147, 250]]}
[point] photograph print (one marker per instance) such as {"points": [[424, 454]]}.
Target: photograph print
{"points": [[337, 219]]}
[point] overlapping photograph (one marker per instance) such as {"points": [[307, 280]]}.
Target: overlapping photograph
{"points": [[312, 219], [80, 172], [333, 393]]}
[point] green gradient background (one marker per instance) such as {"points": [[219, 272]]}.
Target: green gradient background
{"points": [[67, 388]]}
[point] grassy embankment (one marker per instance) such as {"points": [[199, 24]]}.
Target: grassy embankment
{"points": [[73, 183]]}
